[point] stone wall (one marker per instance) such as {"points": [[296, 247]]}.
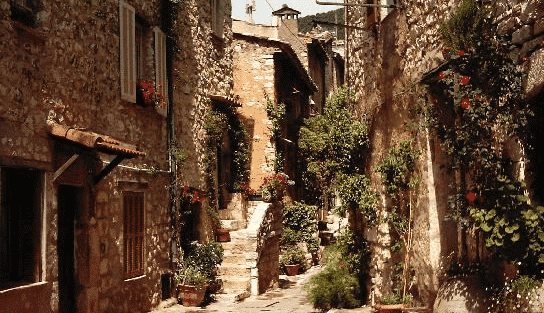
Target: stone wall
{"points": [[254, 75], [386, 62], [65, 69]]}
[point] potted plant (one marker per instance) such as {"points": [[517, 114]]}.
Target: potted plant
{"points": [[148, 95], [393, 303], [273, 187], [191, 286], [197, 269], [293, 259]]}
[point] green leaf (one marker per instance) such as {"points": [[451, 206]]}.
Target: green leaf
{"points": [[491, 214], [515, 237], [511, 229], [486, 228]]}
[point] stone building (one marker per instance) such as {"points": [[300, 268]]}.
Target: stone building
{"points": [[86, 160], [388, 53]]}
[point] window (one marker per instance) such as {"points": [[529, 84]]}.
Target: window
{"points": [[135, 55], [24, 11], [20, 226], [133, 234], [217, 18]]}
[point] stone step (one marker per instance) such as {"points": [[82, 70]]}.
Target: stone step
{"points": [[238, 246], [233, 258], [229, 270], [232, 225], [235, 285]]}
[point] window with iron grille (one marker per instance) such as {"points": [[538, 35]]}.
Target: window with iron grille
{"points": [[133, 235]]}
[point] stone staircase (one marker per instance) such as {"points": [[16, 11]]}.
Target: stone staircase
{"points": [[238, 269], [235, 272]]}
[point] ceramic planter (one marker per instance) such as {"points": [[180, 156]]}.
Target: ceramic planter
{"points": [[292, 269], [190, 295], [389, 308]]}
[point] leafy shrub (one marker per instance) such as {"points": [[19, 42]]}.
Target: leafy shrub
{"points": [[331, 143], [339, 284], [515, 295], [396, 298], [300, 224], [204, 258]]}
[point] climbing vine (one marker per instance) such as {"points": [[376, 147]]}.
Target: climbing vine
{"points": [[397, 172], [479, 110], [218, 121]]}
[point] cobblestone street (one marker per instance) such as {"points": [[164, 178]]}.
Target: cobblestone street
{"points": [[289, 298]]}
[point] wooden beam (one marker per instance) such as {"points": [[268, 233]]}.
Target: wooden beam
{"points": [[108, 168], [65, 166]]}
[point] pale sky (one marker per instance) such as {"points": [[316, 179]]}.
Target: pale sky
{"points": [[263, 12]]}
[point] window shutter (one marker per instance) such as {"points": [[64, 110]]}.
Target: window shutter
{"points": [[134, 230], [127, 45], [161, 78], [217, 18]]}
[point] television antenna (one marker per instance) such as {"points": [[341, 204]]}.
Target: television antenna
{"points": [[250, 8]]}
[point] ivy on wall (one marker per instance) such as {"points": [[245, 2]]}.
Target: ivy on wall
{"points": [[218, 121]]}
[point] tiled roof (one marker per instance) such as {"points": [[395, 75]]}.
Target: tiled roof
{"points": [[89, 139]]}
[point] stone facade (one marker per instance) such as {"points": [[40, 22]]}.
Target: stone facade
{"points": [[61, 66], [387, 56]]}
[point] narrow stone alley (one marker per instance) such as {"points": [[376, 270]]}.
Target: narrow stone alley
{"points": [[290, 297]]}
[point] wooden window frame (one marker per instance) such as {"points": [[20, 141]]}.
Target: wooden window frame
{"points": [[133, 233]]}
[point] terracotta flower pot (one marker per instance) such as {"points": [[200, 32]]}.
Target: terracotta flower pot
{"points": [[222, 235], [292, 269], [191, 295], [389, 308]]}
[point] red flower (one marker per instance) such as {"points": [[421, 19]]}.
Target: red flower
{"points": [[465, 80], [471, 196], [441, 76], [465, 103], [461, 53]]}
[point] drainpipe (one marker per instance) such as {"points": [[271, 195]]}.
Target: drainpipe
{"points": [[167, 15]]}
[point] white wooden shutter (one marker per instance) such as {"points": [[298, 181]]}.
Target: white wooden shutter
{"points": [[161, 78], [127, 45]]}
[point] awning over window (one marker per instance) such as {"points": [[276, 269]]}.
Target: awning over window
{"points": [[231, 101], [91, 140]]}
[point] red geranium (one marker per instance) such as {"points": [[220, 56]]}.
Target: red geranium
{"points": [[471, 196], [441, 76], [465, 103], [461, 53], [465, 80]]}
